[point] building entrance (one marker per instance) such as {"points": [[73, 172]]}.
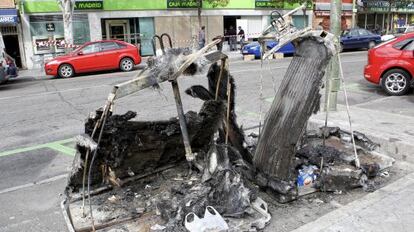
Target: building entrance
{"points": [[118, 30], [11, 43]]}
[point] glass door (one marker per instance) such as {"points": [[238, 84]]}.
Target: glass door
{"points": [[118, 30], [147, 31]]}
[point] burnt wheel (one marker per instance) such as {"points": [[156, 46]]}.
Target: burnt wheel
{"points": [[66, 71], [396, 82], [126, 64]]}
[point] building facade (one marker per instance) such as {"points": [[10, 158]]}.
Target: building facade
{"points": [[378, 15], [11, 40], [136, 21], [322, 10]]}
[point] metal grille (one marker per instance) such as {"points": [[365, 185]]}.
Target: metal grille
{"points": [[8, 30]]}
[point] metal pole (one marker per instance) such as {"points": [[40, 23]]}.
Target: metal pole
{"points": [[354, 11], [181, 117], [333, 80]]}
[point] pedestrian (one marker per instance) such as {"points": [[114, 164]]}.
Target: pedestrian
{"points": [[232, 38], [242, 37], [11, 67], [226, 36], [202, 37]]}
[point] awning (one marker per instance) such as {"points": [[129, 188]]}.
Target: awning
{"points": [[8, 16]]}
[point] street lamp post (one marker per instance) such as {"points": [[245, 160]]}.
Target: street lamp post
{"points": [[333, 80]]}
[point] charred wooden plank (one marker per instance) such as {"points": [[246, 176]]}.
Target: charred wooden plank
{"points": [[235, 133], [143, 146]]}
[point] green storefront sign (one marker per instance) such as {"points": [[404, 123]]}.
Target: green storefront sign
{"points": [[50, 6], [89, 5], [281, 4], [269, 3], [384, 6], [173, 4]]}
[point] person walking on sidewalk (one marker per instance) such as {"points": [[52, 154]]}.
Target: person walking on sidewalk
{"points": [[233, 38], [241, 37], [202, 37]]}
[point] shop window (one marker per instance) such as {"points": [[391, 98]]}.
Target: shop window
{"points": [[47, 32], [361, 20], [370, 22], [300, 21]]}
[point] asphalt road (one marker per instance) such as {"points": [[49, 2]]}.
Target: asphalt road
{"points": [[41, 115]]}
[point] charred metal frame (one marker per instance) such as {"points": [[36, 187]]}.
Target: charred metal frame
{"points": [[143, 81], [280, 29]]}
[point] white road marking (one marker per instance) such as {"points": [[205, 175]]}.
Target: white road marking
{"points": [[53, 92], [45, 181]]}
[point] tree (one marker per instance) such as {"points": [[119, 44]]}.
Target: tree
{"points": [[213, 3], [67, 7]]}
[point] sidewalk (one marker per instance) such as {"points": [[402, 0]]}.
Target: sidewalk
{"points": [[393, 131], [390, 208]]}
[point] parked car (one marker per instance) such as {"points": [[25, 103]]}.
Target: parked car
{"points": [[359, 38], [95, 56], [3, 76], [255, 49], [391, 65], [387, 37]]}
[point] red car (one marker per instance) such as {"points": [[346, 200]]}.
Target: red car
{"points": [[391, 65], [95, 56]]}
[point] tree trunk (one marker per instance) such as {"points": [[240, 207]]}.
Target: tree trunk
{"points": [[297, 98], [67, 7], [200, 5]]}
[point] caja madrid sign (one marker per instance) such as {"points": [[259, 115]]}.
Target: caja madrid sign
{"points": [[182, 4], [88, 4]]}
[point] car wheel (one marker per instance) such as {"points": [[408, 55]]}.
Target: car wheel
{"points": [[126, 64], [66, 71], [396, 82], [341, 47], [371, 44]]}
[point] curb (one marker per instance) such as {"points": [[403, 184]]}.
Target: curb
{"points": [[351, 211]]}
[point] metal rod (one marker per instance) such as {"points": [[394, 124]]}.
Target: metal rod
{"points": [[223, 64], [186, 139], [357, 163], [327, 96], [228, 109], [85, 169]]}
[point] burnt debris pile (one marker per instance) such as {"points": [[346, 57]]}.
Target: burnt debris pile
{"points": [[148, 183]]}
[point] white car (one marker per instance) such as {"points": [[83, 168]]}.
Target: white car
{"points": [[400, 30], [387, 37]]}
